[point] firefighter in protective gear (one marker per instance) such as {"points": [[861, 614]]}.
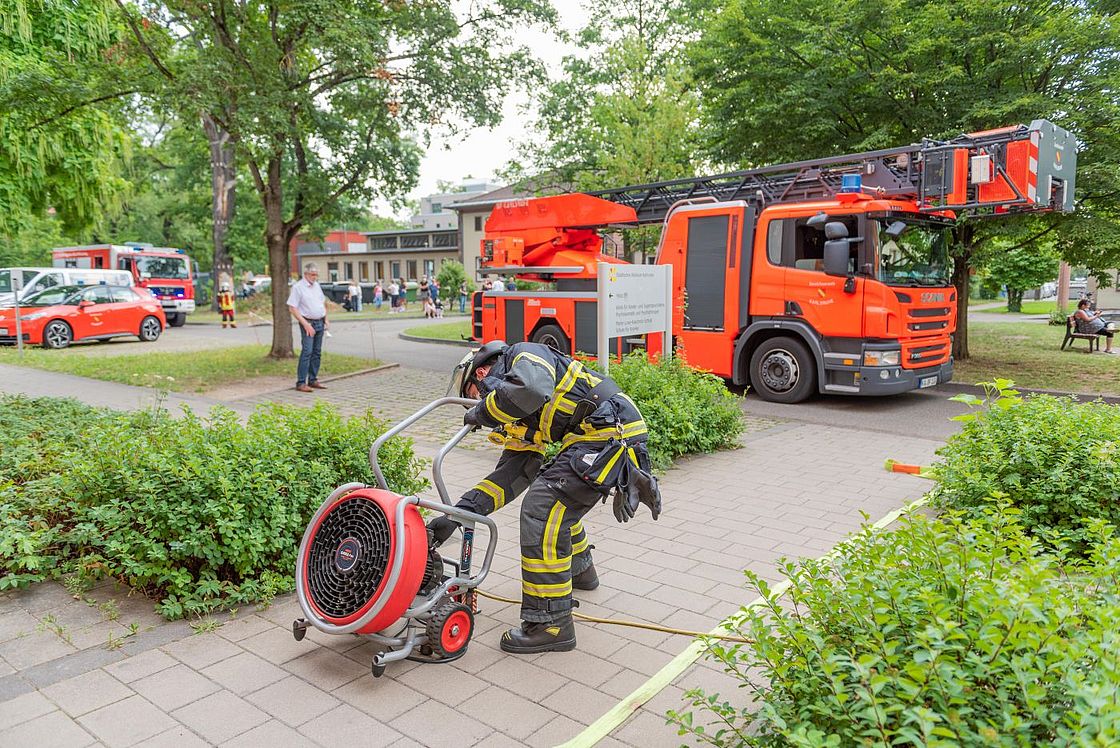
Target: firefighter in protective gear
{"points": [[531, 396], [226, 305]]}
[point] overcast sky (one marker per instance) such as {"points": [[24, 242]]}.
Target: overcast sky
{"points": [[480, 152]]}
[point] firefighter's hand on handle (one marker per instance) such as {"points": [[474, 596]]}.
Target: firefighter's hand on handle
{"points": [[440, 529], [470, 418]]}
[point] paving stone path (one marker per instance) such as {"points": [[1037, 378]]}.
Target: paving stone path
{"points": [[792, 489]]}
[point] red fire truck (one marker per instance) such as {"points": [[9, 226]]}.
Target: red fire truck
{"points": [[164, 271], [830, 275]]}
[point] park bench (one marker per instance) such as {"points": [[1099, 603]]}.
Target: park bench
{"points": [[1072, 334]]}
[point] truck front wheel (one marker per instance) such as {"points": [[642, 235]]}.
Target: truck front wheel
{"points": [[178, 319], [782, 371], [554, 337]]}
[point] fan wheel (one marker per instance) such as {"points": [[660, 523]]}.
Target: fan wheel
{"points": [[450, 629]]}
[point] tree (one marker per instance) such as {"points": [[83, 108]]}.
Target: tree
{"points": [[320, 98], [451, 275], [64, 144], [622, 111], [1020, 269], [796, 79]]}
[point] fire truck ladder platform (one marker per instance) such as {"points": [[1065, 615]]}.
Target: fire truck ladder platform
{"points": [[994, 169]]}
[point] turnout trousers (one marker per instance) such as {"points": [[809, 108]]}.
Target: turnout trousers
{"points": [[554, 545]]}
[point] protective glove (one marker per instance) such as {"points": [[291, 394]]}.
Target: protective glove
{"points": [[470, 418], [623, 508], [643, 489], [440, 529]]}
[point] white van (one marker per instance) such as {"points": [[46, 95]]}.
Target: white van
{"points": [[36, 279]]}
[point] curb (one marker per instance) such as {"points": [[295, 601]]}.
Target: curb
{"points": [[979, 392], [417, 339], [360, 372]]}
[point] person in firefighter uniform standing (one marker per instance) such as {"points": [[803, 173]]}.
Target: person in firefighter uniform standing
{"points": [[226, 305], [532, 395]]}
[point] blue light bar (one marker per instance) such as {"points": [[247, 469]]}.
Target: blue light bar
{"points": [[851, 183]]}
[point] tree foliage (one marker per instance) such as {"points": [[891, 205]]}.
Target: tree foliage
{"points": [[322, 99], [1021, 269], [62, 143], [790, 80]]}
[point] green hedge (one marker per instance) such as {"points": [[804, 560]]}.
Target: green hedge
{"points": [[199, 513], [687, 411], [944, 633], [1055, 459]]}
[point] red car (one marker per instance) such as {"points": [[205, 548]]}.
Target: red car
{"points": [[59, 316]]}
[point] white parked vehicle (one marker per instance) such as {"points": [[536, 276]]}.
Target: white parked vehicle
{"points": [[38, 279]]}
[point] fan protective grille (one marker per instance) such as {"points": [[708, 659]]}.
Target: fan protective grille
{"points": [[348, 557]]}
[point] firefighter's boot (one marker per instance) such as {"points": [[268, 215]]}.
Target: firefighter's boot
{"points": [[557, 636], [586, 579]]}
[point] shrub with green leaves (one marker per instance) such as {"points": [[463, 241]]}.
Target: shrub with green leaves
{"points": [[199, 513], [688, 411], [1054, 458], [946, 632]]}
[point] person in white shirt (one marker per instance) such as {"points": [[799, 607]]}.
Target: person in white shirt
{"points": [[499, 285], [394, 296], [354, 292], [309, 308]]}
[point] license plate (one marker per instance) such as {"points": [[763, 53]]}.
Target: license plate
{"points": [[927, 382]]}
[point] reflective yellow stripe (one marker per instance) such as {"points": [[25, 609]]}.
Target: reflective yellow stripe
{"points": [[579, 547], [536, 360], [577, 528], [634, 428], [494, 410], [610, 464], [562, 589], [566, 383], [546, 567], [494, 491], [552, 531], [564, 405]]}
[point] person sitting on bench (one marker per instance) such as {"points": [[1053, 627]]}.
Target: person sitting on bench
{"points": [[1090, 323]]}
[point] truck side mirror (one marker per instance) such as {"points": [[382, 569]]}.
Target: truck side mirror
{"points": [[836, 257]]}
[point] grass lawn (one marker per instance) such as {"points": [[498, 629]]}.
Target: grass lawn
{"points": [[191, 371], [1029, 307], [442, 330], [1028, 353]]}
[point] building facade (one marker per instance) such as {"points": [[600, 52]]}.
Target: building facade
{"points": [[404, 253], [435, 210]]}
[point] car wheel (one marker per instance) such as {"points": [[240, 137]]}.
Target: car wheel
{"points": [[177, 320], [554, 337], [783, 371], [57, 334], [150, 329]]}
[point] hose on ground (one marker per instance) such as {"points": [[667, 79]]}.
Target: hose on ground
{"points": [[631, 624]]}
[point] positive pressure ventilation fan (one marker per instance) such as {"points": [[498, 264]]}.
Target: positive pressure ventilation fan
{"points": [[365, 564]]}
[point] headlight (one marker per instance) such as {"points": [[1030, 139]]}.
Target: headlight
{"points": [[881, 358], [33, 317]]}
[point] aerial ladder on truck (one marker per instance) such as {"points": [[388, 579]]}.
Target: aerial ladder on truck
{"points": [[827, 275]]}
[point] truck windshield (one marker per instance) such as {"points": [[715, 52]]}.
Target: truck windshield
{"points": [[162, 267], [919, 256]]}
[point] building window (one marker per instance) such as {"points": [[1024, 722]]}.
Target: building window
{"points": [[478, 223], [363, 271], [332, 272], [437, 207], [411, 269], [379, 270], [395, 266], [349, 271], [429, 268]]}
